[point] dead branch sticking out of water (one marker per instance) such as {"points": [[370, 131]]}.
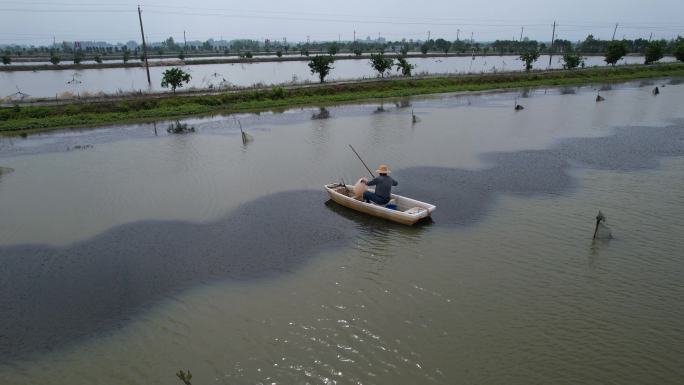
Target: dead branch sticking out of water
{"points": [[184, 376]]}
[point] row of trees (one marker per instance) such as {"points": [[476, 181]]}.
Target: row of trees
{"points": [[590, 45], [572, 57], [322, 65], [614, 51]]}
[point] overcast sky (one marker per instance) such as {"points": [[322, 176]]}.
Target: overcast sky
{"points": [[36, 22]]}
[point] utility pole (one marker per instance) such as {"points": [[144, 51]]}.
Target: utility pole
{"points": [[615, 30], [428, 36], [650, 37], [185, 42], [553, 38], [147, 65], [458, 32], [521, 32], [471, 39], [354, 36]]}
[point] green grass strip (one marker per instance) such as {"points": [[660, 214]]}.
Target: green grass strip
{"points": [[29, 119]]}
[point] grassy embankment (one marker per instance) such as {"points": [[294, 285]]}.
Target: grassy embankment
{"points": [[23, 120]]}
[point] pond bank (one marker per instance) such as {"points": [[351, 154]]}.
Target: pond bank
{"points": [[90, 113]]}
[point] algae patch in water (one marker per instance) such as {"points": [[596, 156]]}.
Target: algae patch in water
{"points": [[5, 170]]}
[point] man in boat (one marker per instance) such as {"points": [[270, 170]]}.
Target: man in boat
{"points": [[383, 186]]}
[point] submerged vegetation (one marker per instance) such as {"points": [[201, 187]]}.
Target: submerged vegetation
{"points": [[180, 128], [17, 120]]}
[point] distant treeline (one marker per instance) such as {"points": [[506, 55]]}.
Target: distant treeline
{"points": [[247, 48]]}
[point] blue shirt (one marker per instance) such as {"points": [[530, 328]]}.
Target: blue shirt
{"points": [[383, 185]]}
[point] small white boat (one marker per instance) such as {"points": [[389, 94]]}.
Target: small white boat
{"points": [[408, 211]]}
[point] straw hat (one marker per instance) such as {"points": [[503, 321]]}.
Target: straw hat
{"points": [[383, 169]]}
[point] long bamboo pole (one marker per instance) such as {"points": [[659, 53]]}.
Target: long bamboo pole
{"points": [[364, 163]]}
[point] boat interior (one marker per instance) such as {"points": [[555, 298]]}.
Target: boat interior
{"points": [[401, 203]]}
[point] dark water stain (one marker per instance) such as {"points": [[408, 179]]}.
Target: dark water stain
{"points": [[464, 196], [50, 296]]}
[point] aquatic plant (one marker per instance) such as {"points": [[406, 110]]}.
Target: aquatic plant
{"points": [[180, 128], [184, 376]]}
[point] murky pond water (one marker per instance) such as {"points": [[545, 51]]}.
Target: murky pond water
{"points": [[127, 253], [113, 80]]}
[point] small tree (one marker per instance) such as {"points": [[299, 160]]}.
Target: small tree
{"points": [[529, 57], [381, 63], [333, 49], [6, 59], [98, 59], [321, 65], [279, 53], [615, 51], [404, 66], [404, 49], [181, 55], [174, 78], [126, 56], [424, 49], [304, 52], [572, 60], [78, 57], [442, 45], [654, 52], [679, 52], [358, 51], [54, 58]]}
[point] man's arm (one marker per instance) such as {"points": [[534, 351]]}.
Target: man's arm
{"points": [[372, 183], [394, 182]]}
